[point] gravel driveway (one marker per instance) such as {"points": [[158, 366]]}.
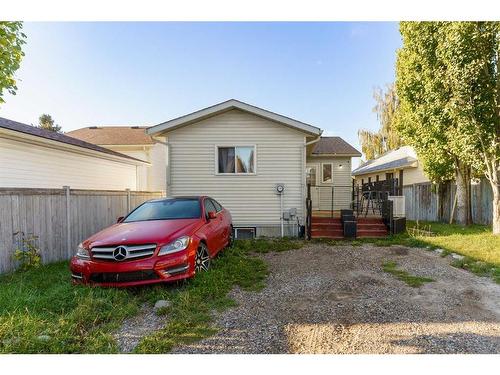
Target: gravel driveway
{"points": [[322, 299]]}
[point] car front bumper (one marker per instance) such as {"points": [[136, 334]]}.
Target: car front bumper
{"points": [[155, 269]]}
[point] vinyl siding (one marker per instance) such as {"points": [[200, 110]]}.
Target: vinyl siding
{"points": [[32, 166], [149, 177], [250, 198], [321, 195]]}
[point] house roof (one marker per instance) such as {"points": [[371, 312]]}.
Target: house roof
{"points": [[227, 106], [58, 137], [403, 157], [333, 145], [113, 135]]}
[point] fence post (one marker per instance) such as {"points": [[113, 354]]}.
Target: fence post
{"points": [[69, 251], [128, 200]]}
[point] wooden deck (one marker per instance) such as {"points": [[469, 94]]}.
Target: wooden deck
{"points": [[336, 214]]}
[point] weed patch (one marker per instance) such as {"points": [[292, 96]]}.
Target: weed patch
{"points": [[411, 280]]}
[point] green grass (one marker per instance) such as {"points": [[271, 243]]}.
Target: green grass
{"points": [[411, 280], [42, 312], [190, 314], [474, 241]]}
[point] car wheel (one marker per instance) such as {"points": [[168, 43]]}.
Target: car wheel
{"points": [[202, 258], [230, 241]]}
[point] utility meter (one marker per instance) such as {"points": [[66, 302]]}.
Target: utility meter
{"points": [[280, 188]]}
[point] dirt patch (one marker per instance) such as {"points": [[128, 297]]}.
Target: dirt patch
{"points": [[133, 330], [323, 299]]}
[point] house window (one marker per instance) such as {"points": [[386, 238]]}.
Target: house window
{"points": [[237, 160], [327, 173]]}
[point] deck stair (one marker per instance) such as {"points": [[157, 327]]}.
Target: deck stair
{"points": [[326, 227], [371, 227]]}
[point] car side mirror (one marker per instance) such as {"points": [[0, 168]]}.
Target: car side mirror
{"points": [[120, 219], [212, 215]]}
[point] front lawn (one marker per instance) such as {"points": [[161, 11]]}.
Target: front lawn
{"points": [[42, 312], [475, 241]]}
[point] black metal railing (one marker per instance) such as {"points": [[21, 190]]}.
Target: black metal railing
{"points": [[309, 212]]}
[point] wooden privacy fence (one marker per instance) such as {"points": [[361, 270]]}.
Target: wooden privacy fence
{"points": [[423, 202], [59, 218]]}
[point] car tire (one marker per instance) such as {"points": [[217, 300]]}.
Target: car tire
{"points": [[202, 258]]}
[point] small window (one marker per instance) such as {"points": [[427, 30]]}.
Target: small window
{"points": [[377, 178], [327, 173], [238, 160], [217, 205], [369, 180], [244, 233]]}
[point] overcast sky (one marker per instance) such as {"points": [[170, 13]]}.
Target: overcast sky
{"points": [[117, 73]]}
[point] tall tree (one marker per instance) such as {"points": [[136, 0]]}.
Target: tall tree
{"points": [[11, 42], [448, 84], [46, 122], [374, 144], [469, 51]]}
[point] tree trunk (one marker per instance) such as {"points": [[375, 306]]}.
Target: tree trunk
{"points": [[463, 209], [495, 186], [496, 209]]}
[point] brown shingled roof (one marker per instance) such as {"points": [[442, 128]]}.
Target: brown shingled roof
{"points": [[334, 145], [113, 135], [58, 137]]}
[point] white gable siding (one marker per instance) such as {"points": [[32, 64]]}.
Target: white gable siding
{"points": [[250, 198], [35, 166], [149, 177]]}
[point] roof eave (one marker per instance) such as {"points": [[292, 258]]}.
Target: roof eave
{"points": [[353, 155], [13, 134], [375, 170], [227, 106]]}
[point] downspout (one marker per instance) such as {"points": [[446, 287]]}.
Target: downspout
{"points": [[304, 164], [167, 166]]}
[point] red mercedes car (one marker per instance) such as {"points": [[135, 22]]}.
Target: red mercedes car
{"points": [[161, 240]]}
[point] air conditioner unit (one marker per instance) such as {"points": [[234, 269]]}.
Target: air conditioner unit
{"points": [[398, 205]]}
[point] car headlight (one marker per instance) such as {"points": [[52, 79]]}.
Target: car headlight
{"points": [[178, 245], [82, 252]]}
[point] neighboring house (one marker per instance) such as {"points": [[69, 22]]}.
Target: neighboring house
{"points": [[31, 157], [238, 154], [132, 141], [402, 164]]}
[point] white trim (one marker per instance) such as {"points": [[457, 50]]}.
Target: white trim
{"points": [[226, 106], [322, 177], [216, 169]]}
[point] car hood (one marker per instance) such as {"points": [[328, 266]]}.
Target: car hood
{"points": [[143, 232]]}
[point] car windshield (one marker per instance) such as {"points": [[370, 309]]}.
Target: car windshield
{"points": [[167, 209]]}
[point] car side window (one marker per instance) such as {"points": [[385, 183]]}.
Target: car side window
{"points": [[209, 206], [217, 205]]}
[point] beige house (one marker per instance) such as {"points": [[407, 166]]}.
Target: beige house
{"points": [[240, 154], [329, 173], [402, 164], [36, 158], [132, 141]]}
